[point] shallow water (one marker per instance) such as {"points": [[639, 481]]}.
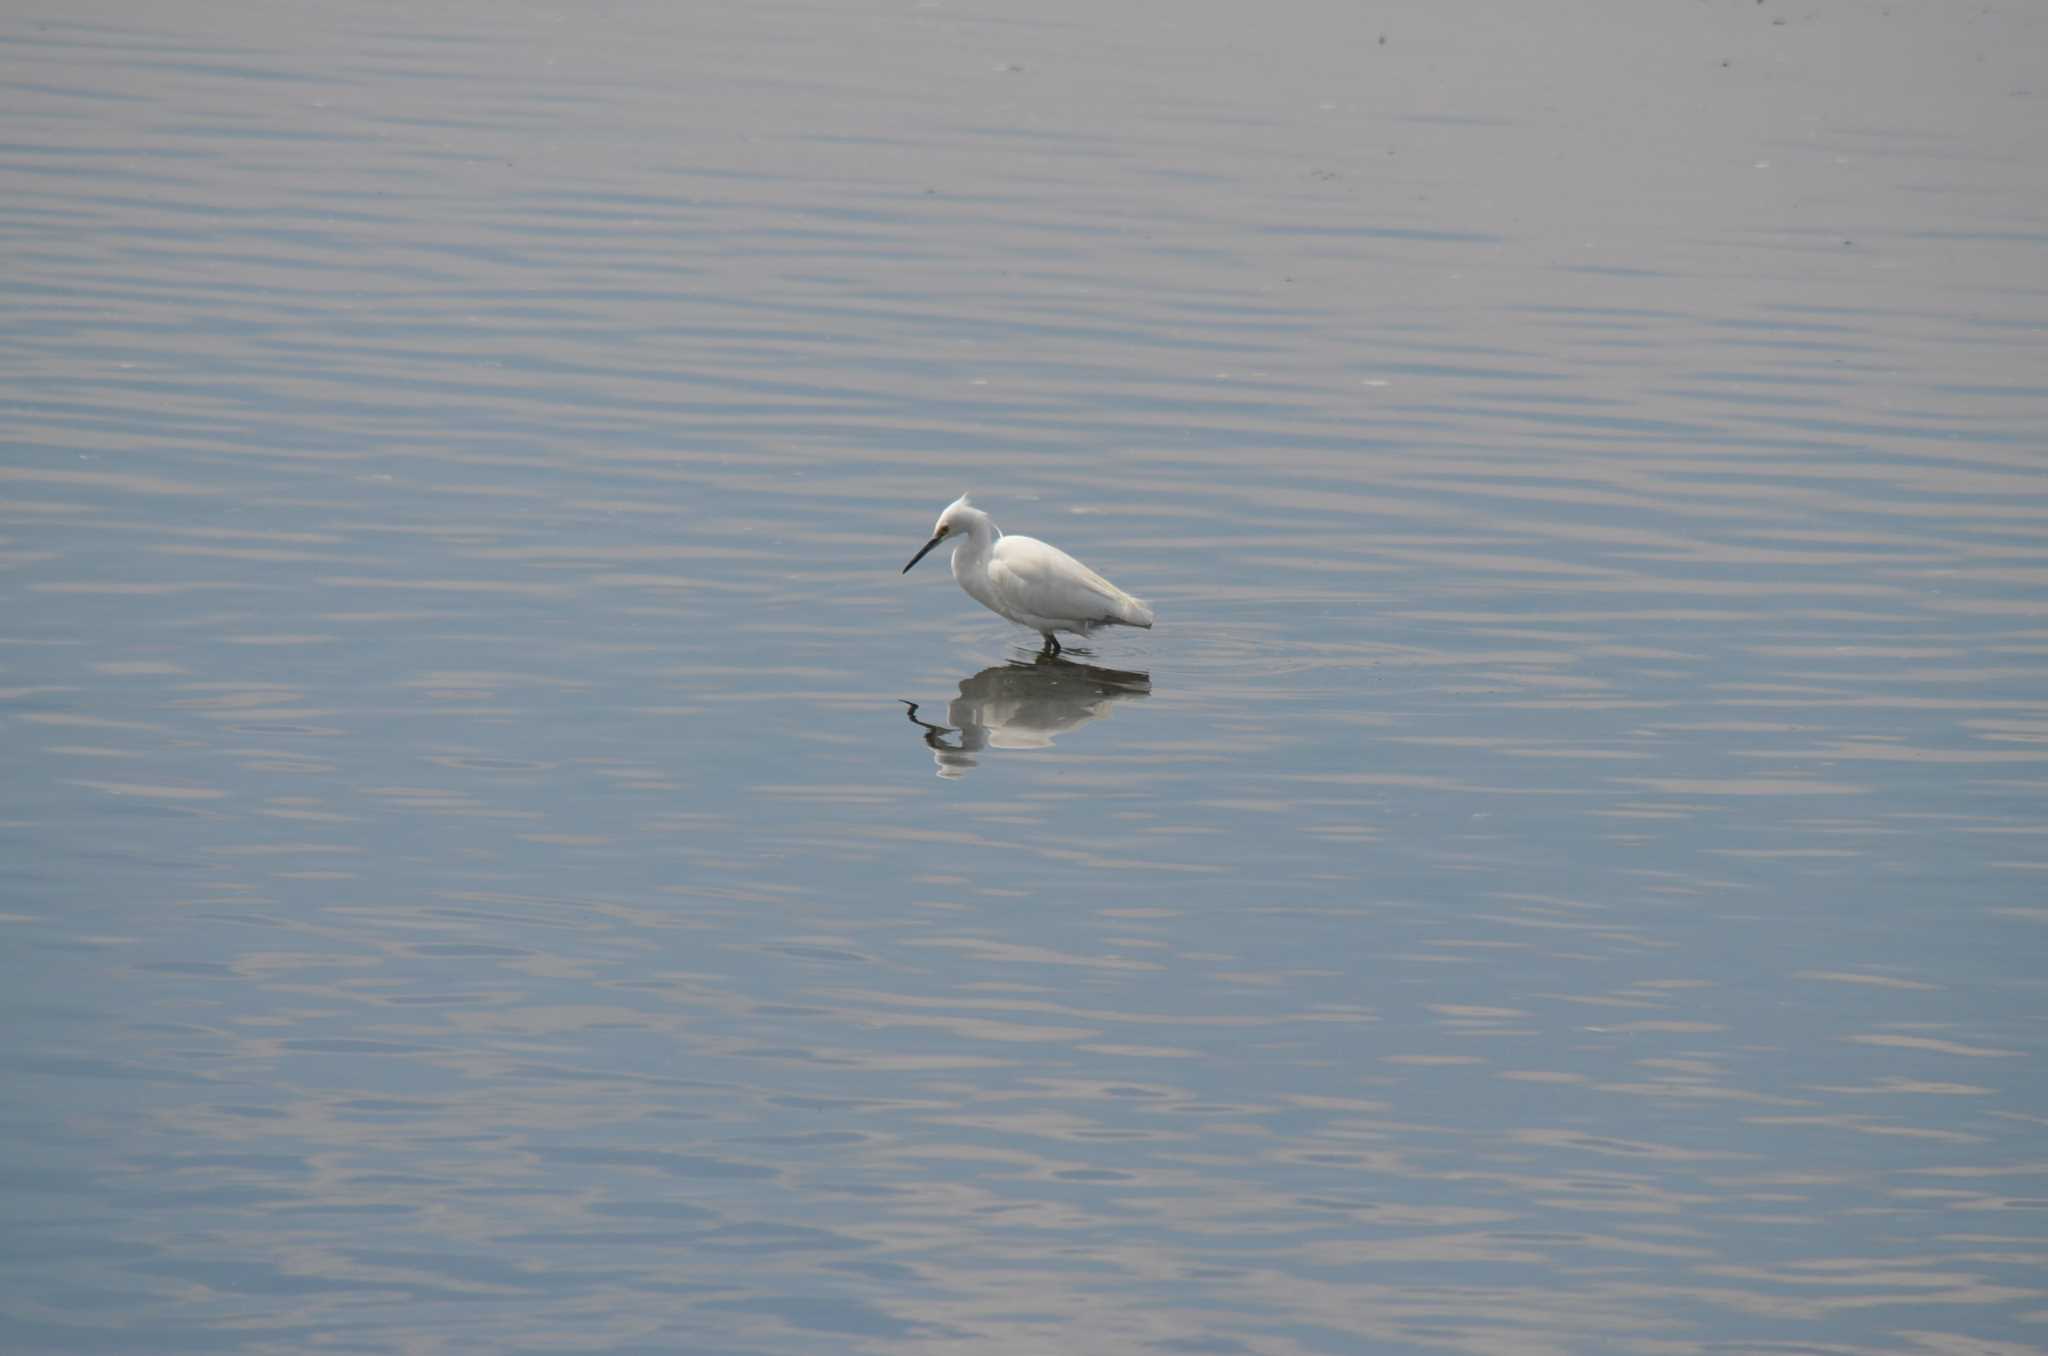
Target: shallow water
{"points": [[500, 860]]}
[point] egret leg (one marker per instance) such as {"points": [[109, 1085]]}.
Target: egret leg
{"points": [[1052, 644]]}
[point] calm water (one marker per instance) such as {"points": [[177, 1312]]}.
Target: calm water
{"points": [[498, 859]]}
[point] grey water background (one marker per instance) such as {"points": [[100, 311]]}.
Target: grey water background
{"points": [[498, 860]]}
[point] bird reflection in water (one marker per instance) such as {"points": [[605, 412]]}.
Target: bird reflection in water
{"points": [[1023, 705]]}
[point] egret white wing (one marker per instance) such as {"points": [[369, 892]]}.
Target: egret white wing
{"points": [[1040, 580]]}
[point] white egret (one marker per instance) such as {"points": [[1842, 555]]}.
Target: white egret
{"points": [[1028, 581]]}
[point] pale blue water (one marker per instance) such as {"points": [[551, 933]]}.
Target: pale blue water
{"points": [[498, 858]]}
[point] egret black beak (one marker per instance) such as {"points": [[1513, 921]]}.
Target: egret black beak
{"points": [[927, 550]]}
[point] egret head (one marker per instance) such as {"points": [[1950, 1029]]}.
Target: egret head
{"points": [[956, 521]]}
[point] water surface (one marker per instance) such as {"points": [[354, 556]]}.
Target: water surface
{"points": [[500, 860]]}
